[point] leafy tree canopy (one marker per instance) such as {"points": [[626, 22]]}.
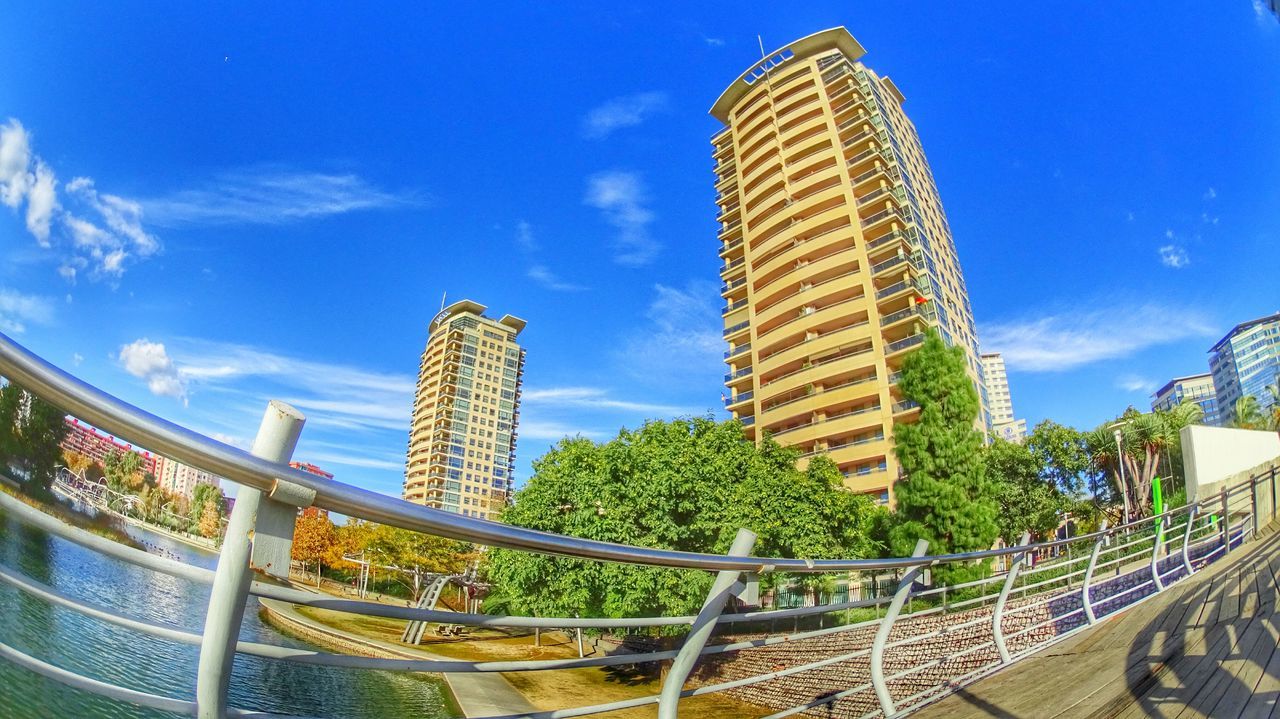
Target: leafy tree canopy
{"points": [[685, 484], [945, 496]]}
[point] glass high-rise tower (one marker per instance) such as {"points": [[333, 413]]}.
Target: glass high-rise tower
{"points": [[462, 442], [837, 255]]}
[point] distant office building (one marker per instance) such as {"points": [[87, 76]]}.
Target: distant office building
{"points": [[1245, 362], [1003, 424], [837, 256], [463, 438], [97, 445], [1196, 388], [181, 479], [308, 467]]}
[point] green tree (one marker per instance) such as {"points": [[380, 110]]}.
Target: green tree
{"points": [[207, 510], [1146, 440], [685, 484], [414, 555], [945, 496], [1028, 501], [31, 433], [1062, 455], [1246, 413]]}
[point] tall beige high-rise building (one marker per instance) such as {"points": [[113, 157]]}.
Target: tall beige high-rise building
{"points": [[837, 255], [1000, 399], [462, 442]]}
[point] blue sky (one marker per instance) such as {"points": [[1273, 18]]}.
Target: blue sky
{"points": [[202, 208]]}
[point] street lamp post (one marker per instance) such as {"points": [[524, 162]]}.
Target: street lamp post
{"points": [[1124, 488]]}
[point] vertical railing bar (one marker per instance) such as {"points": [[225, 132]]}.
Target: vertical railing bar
{"points": [[276, 439], [1226, 525], [703, 624], [1186, 539], [1158, 541], [886, 626], [1253, 504], [997, 614], [1088, 575]]}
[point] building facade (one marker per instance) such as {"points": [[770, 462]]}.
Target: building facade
{"points": [[996, 380], [1196, 388], [462, 441], [837, 255], [1244, 363], [181, 479], [97, 445]]}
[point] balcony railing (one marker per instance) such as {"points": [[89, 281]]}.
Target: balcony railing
{"points": [[903, 344], [740, 397], [732, 285], [734, 306], [884, 215], [1134, 561], [737, 374], [738, 350]]}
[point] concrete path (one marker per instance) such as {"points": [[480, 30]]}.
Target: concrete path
{"points": [[1206, 648], [479, 694]]}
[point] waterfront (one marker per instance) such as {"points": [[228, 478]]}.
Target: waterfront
{"points": [[105, 652]]}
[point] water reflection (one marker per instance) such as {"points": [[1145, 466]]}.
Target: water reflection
{"points": [[87, 646]]}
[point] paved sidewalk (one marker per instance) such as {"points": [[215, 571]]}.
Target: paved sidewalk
{"points": [[479, 694]]}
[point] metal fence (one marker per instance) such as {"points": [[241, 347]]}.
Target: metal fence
{"points": [[880, 656]]}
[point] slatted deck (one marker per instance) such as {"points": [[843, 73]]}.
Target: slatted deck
{"points": [[1205, 648]]}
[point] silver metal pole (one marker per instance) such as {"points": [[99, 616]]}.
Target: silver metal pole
{"points": [[1186, 540], [682, 665], [997, 615], [1226, 525], [277, 437], [886, 626], [1253, 504], [1157, 541], [1088, 577], [1124, 488]]}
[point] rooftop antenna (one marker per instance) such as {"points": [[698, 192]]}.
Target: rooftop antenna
{"points": [[442, 296], [760, 40]]}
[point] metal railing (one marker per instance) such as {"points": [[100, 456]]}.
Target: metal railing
{"points": [[920, 643]]}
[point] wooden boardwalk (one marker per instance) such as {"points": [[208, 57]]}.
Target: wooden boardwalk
{"points": [[1206, 647]]}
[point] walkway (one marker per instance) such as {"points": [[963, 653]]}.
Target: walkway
{"points": [[1206, 648], [478, 694]]}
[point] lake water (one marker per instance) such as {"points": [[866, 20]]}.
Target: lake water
{"points": [[73, 641]]}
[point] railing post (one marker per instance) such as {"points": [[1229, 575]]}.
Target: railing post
{"points": [[1273, 493], [1186, 539], [1156, 541], [1088, 576], [1253, 505], [1226, 525], [997, 615], [703, 624], [277, 437], [886, 626]]}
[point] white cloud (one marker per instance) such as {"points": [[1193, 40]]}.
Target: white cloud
{"points": [[1210, 194], [683, 343], [15, 157], [1174, 256], [1207, 219], [713, 41], [1065, 341], [621, 197], [524, 236], [272, 196], [77, 359], [1134, 383], [18, 310], [592, 398], [548, 279], [621, 112], [42, 201], [149, 361]]}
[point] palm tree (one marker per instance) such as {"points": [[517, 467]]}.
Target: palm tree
{"points": [[1101, 447], [1247, 414], [1273, 419], [1146, 438]]}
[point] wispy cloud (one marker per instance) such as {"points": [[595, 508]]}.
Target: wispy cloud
{"points": [[98, 232], [331, 395], [548, 279], [682, 341], [622, 198], [713, 41], [1066, 341], [272, 196], [1174, 256], [18, 310], [1210, 194], [620, 112], [524, 236], [592, 398], [1134, 383]]}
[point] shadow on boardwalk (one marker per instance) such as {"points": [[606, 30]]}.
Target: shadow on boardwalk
{"points": [[1205, 648]]}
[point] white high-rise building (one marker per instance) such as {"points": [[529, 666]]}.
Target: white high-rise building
{"points": [[1003, 424], [181, 479]]}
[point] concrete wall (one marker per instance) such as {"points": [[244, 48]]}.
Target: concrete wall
{"points": [[1212, 456]]}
